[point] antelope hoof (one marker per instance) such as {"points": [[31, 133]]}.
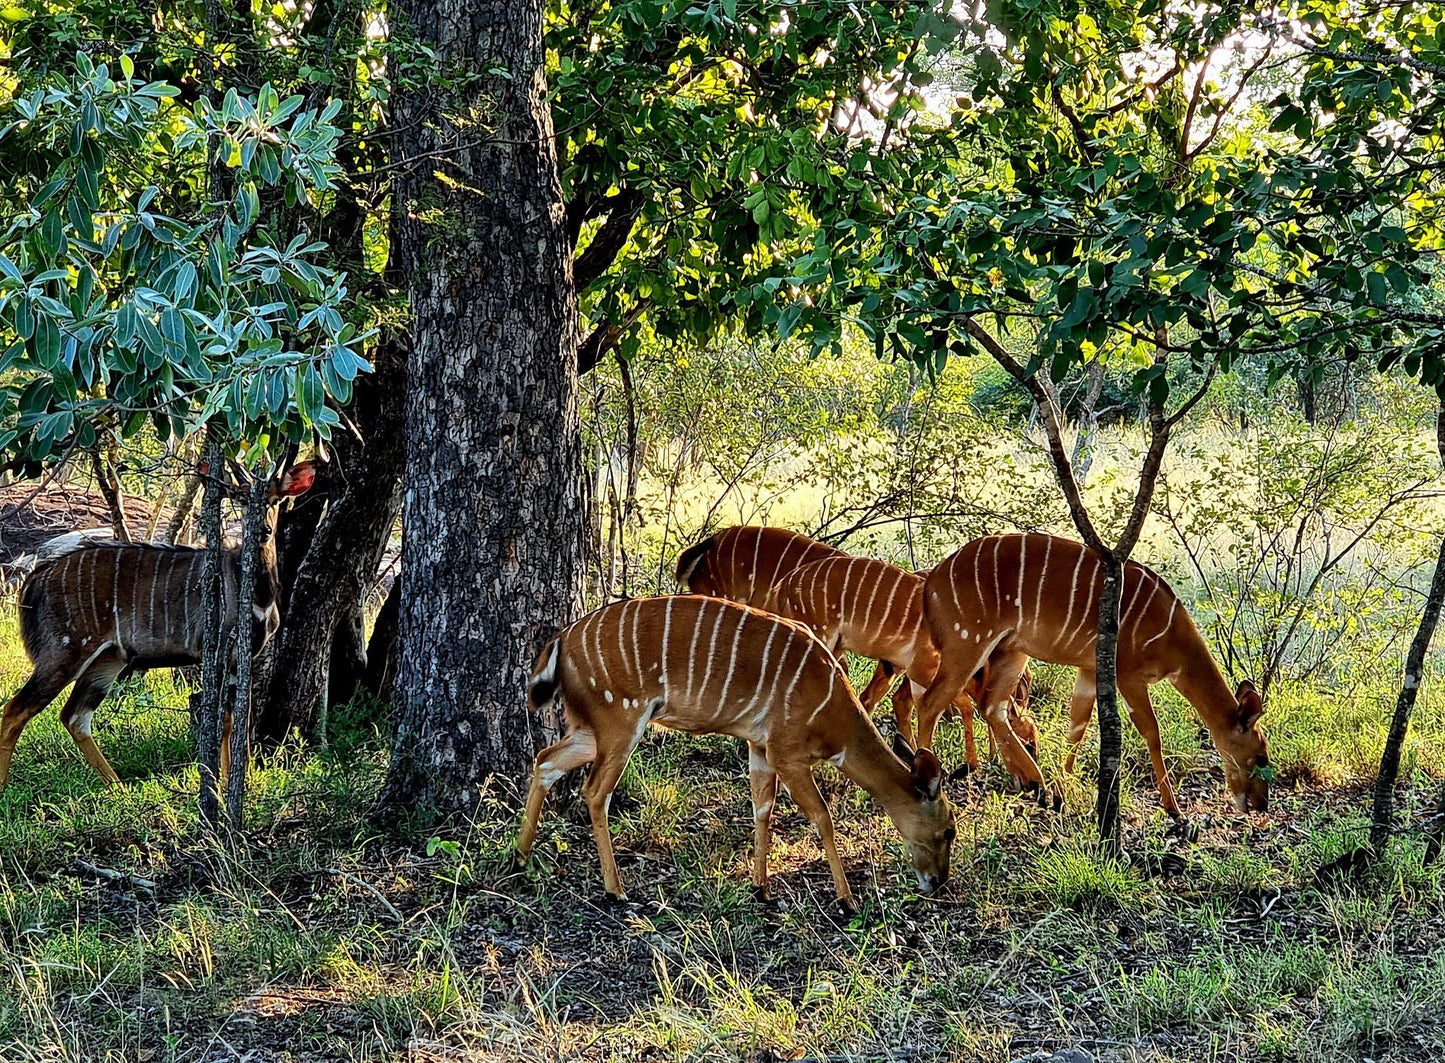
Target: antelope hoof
{"points": [[847, 908], [615, 900], [963, 774]]}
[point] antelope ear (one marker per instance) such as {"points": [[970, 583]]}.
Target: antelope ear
{"points": [[296, 480], [927, 775], [902, 750], [1251, 705], [689, 559]]}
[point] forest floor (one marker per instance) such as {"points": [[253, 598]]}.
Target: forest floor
{"points": [[322, 938]]}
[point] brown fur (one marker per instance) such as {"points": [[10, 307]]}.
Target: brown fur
{"points": [[709, 666], [100, 610], [1009, 598], [875, 609]]}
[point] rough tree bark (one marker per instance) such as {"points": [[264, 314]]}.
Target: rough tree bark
{"points": [[494, 504], [340, 557], [1382, 817]]}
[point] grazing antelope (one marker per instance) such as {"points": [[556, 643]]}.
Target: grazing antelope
{"points": [[744, 562], [731, 564], [875, 609], [92, 611], [711, 666], [1008, 598]]}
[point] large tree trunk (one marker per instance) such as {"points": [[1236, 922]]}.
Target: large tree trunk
{"points": [[339, 561], [494, 510], [1382, 818]]}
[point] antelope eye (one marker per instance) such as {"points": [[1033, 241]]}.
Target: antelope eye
{"points": [[949, 834]]}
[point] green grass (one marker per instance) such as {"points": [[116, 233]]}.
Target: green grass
{"points": [[1037, 943]]}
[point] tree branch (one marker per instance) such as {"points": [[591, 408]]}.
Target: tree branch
{"points": [[622, 211]]}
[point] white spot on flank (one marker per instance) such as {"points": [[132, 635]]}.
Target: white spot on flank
{"points": [[957, 627], [608, 695], [65, 640], [965, 633], [593, 680], [977, 637]]}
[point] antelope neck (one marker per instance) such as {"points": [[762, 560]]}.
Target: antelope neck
{"points": [[869, 762]]}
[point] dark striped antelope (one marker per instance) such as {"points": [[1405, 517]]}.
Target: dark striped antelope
{"points": [[875, 609], [710, 666], [92, 611], [1009, 598]]}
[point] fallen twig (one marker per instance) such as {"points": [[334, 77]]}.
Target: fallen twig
{"points": [[123, 879], [400, 919]]}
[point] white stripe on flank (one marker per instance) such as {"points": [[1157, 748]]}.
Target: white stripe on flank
{"points": [[663, 656], [1073, 593], [583, 627], [722, 698], [597, 641], [1144, 609], [155, 582], [953, 585], [997, 591], [115, 599], [692, 653], [1089, 600], [827, 698], [978, 577], [621, 644], [899, 579], [753, 572], [1043, 577], [1023, 565], [717, 608], [841, 602], [140, 557], [637, 644], [730, 588], [1167, 624], [64, 573], [1129, 604], [873, 600], [86, 595], [797, 675], [762, 671], [186, 585], [778, 564]]}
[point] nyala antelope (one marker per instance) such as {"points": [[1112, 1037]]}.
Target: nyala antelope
{"points": [[710, 666], [875, 609], [1008, 598], [92, 611], [743, 562]]}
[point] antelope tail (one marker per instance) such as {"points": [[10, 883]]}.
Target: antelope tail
{"points": [[546, 676]]}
